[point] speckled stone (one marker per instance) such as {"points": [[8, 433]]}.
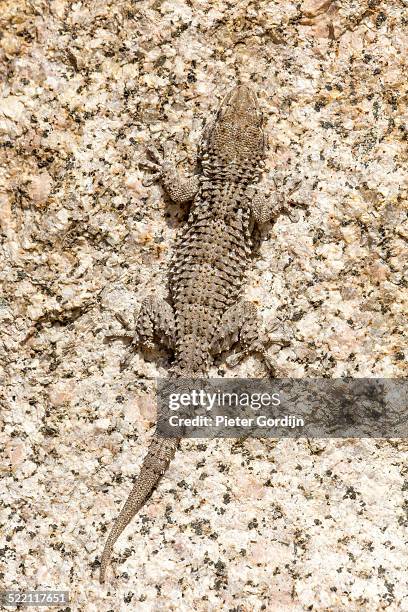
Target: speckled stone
{"points": [[235, 525]]}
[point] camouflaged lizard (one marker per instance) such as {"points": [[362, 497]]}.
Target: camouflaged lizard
{"points": [[205, 314]]}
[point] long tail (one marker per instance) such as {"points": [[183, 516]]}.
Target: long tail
{"points": [[161, 452]]}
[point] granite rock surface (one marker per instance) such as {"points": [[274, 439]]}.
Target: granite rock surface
{"points": [[235, 525]]}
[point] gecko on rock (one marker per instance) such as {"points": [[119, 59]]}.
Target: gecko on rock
{"points": [[205, 314]]}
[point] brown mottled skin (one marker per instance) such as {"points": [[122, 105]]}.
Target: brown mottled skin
{"points": [[204, 315]]}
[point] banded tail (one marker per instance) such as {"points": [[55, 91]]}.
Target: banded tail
{"points": [[161, 452]]}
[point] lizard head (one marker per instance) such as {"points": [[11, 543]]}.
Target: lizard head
{"points": [[236, 134]]}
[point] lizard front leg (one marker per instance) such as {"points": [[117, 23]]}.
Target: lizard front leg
{"points": [[154, 322], [267, 201], [180, 189], [241, 324]]}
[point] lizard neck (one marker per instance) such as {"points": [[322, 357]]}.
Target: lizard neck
{"points": [[218, 171]]}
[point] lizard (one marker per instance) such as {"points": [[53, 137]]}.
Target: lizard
{"points": [[206, 314]]}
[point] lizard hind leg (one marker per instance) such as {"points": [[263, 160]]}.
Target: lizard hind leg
{"points": [[155, 321], [240, 324]]}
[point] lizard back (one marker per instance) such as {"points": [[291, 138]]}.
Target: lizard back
{"points": [[212, 254]]}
